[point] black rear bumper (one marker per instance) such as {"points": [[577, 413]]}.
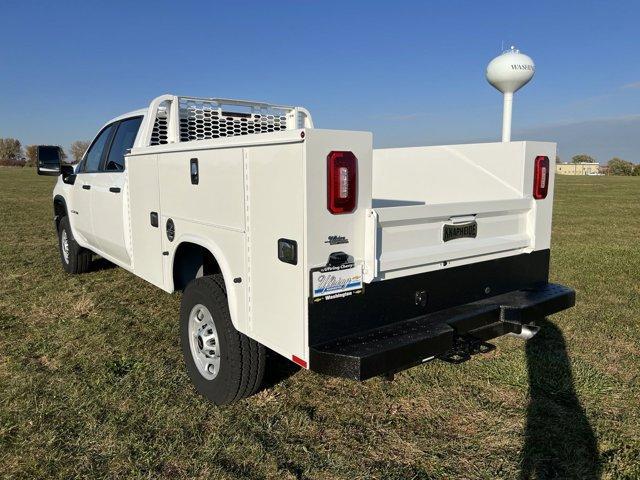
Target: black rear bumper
{"points": [[403, 344]]}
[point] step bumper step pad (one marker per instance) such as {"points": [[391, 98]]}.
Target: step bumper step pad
{"points": [[404, 344]]}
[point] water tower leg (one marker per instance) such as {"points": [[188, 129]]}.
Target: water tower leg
{"points": [[506, 117]]}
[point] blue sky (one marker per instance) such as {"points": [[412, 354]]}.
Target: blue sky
{"points": [[410, 72]]}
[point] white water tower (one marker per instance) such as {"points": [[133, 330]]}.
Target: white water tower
{"points": [[509, 72]]}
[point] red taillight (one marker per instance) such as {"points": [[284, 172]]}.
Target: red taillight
{"points": [[342, 172], [541, 178]]}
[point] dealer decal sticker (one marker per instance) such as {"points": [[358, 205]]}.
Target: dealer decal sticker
{"points": [[328, 283]]}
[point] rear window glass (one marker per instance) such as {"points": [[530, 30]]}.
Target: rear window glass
{"points": [[122, 141], [94, 155]]}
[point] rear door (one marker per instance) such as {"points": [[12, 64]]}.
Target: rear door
{"points": [[110, 212], [87, 175]]}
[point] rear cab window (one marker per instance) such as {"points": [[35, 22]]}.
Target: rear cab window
{"points": [[122, 141], [94, 155]]}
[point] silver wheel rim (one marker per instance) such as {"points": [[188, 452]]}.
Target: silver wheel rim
{"points": [[203, 342], [64, 240]]}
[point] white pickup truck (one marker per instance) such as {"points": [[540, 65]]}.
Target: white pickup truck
{"points": [[347, 260]]}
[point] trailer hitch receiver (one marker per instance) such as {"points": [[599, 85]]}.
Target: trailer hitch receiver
{"points": [[464, 348]]}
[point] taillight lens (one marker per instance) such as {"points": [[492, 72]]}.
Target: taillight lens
{"points": [[342, 174], [541, 178]]}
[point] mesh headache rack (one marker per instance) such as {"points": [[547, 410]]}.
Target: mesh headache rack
{"points": [[183, 119]]}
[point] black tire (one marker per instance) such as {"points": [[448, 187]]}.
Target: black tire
{"points": [[78, 259], [242, 360]]}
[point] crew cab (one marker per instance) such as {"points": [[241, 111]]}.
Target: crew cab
{"points": [[347, 260]]}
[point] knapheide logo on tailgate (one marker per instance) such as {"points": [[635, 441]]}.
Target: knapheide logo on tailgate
{"points": [[461, 230]]}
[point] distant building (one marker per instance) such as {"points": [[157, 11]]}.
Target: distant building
{"points": [[578, 168]]}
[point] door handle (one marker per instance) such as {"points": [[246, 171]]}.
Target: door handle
{"points": [[195, 175], [114, 189], [86, 187]]}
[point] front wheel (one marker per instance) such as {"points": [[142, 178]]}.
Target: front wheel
{"points": [[74, 258], [223, 364]]}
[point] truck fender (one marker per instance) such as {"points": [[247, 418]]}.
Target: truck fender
{"points": [[225, 269], [59, 209]]}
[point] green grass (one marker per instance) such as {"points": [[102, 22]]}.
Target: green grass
{"points": [[92, 382]]}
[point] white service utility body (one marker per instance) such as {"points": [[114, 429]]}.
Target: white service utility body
{"points": [[346, 259]]}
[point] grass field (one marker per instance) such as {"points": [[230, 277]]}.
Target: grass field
{"points": [[92, 382]]}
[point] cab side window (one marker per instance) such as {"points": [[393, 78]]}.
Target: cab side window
{"points": [[122, 141], [96, 150]]}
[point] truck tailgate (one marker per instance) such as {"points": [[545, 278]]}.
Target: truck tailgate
{"points": [[445, 206], [402, 240]]}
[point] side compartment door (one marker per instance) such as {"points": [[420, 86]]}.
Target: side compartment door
{"points": [[80, 210], [146, 228], [110, 209]]}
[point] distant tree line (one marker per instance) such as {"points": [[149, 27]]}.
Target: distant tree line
{"points": [[13, 155], [615, 166]]}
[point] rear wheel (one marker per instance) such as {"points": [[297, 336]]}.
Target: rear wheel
{"points": [[74, 258], [223, 364]]}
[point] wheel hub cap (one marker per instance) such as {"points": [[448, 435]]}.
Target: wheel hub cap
{"points": [[203, 342], [64, 240]]}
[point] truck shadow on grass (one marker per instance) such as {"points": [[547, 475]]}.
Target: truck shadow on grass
{"points": [[278, 370], [559, 441], [98, 264]]}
